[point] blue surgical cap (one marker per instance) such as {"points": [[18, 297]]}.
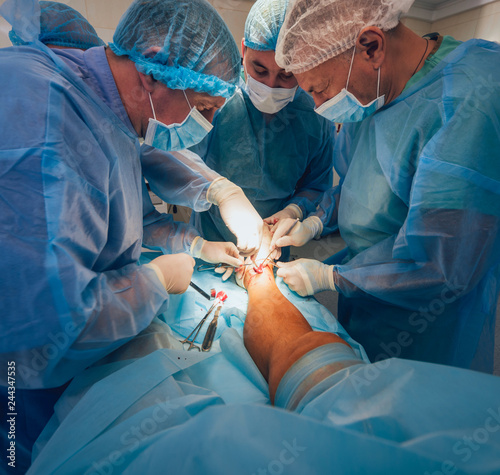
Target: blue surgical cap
{"points": [[264, 23], [61, 25], [194, 47]]}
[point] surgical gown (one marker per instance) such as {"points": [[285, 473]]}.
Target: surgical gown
{"points": [[180, 178], [276, 159], [71, 213], [420, 213], [328, 208]]}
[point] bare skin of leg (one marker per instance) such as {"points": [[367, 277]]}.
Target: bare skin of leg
{"points": [[276, 334]]}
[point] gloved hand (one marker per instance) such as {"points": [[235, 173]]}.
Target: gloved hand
{"points": [[238, 214], [301, 234], [307, 276], [215, 252], [291, 211], [174, 271]]}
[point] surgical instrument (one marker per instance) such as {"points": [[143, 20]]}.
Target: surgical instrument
{"points": [[259, 269], [205, 267], [201, 291], [211, 330], [219, 300]]}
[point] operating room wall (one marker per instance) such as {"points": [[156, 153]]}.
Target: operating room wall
{"points": [[482, 22]]}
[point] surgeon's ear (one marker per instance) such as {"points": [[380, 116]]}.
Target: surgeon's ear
{"points": [[243, 48], [372, 44], [148, 82]]}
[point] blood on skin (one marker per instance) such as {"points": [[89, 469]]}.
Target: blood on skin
{"points": [[259, 269]]}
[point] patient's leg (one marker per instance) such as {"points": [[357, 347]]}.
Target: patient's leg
{"points": [[275, 332]]}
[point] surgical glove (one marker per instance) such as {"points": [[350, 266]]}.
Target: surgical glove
{"points": [[215, 252], [174, 271], [301, 234], [307, 276], [291, 211], [238, 214], [225, 271]]}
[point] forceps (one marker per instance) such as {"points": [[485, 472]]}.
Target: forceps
{"points": [[263, 263], [219, 300], [212, 328], [204, 267]]}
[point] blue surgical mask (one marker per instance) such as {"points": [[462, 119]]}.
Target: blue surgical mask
{"points": [[345, 107], [174, 137], [268, 99]]}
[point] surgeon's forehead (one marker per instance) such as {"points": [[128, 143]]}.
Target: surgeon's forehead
{"points": [[260, 56], [327, 72]]}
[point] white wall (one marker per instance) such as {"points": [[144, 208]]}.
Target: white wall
{"points": [[234, 13], [104, 15], [482, 22]]}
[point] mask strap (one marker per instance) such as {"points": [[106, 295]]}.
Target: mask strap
{"points": [[152, 108], [187, 99], [378, 83], [350, 67]]}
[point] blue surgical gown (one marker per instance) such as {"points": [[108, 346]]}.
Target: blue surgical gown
{"points": [[276, 159], [71, 214], [328, 207], [181, 178], [420, 214]]}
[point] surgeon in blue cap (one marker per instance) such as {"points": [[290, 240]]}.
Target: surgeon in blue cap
{"points": [[267, 138], [179, 177], [62, 27], [419, 204], [73, 198]]}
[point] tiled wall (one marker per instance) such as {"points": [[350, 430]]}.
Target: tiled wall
{"points": [[482, 22], [104, 16], [234, 13]]}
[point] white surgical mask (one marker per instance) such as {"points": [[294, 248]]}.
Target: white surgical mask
{"points": [[268, 99], [345, 106], [174, 137]]}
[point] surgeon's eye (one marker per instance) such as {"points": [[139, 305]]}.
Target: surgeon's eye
{"points": [[285, 76], [260, 71], [321, 89]]}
